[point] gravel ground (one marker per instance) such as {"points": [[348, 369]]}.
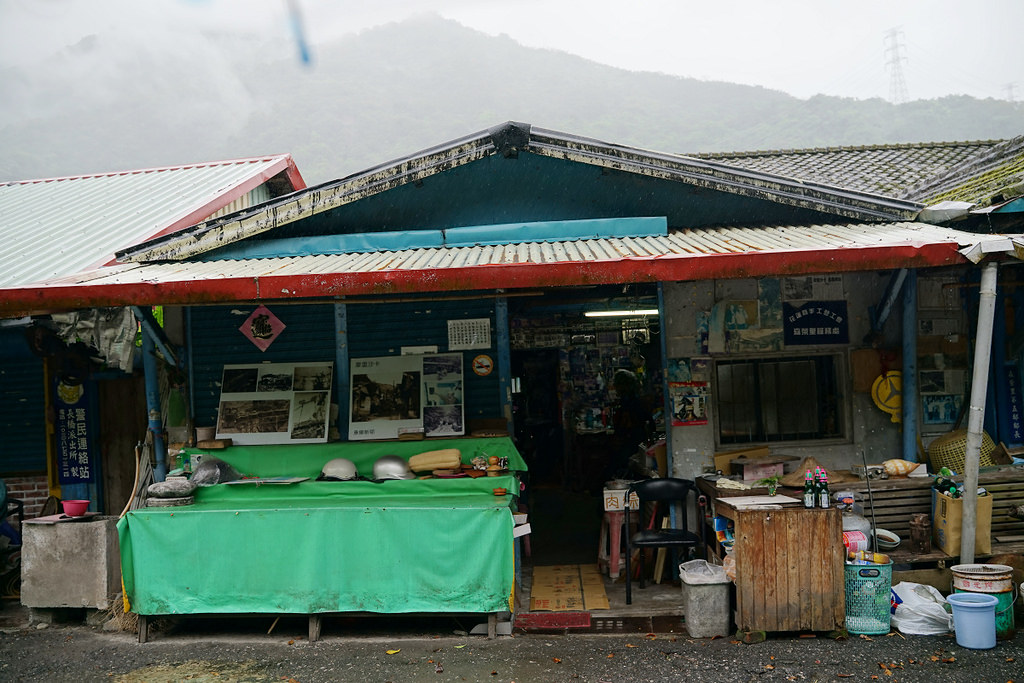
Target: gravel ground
{"points": [[236, 651]]}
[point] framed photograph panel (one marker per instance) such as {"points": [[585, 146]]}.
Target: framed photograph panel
{"points": [[272, 403]]}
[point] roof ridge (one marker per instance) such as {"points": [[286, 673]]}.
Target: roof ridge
{"points": [[848, 148], [153, 169]]}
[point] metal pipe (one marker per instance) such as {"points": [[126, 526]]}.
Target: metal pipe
{"points": [[909, 378], [976, 410]]}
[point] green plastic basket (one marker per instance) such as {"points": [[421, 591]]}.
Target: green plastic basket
{"points": [[868, 603]]}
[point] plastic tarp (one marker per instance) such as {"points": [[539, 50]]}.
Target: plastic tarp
{"points": [[306, 460], [398, 546]]}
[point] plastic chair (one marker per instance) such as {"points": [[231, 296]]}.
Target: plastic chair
{"points": [[667, 492]]}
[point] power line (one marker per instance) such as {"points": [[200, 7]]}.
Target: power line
{"points": [[894, 62]]}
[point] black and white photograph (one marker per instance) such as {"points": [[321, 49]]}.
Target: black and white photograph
{"points": [[240, 380], [443, 421], [253, 417], [270, 403], [272, 379], [309, 414], [312, 378]]}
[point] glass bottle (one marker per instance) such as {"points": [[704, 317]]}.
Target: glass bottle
{"points": [[823, 492], [810, 492]]}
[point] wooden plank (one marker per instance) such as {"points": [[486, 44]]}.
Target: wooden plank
{"points": [[774, 550], [791, 589]]}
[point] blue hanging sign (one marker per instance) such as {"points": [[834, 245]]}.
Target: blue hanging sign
{"points": [[74, 440], [815, 322], [1013, 414]]}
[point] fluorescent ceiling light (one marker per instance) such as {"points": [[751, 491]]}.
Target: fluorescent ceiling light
{"points": [[622, 313]]}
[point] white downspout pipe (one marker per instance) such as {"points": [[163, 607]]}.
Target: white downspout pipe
{"points": [[976, 410]]}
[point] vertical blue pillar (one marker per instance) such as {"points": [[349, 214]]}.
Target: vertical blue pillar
{"points": [[908, 396], [156, 426], [341, 368], [504, 347]]}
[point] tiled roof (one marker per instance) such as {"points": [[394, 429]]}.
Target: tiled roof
{"points": [[900, 171], [58, 226], [990, 178]]}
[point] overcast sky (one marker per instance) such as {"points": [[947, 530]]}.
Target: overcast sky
{"points": [[802, 47]]}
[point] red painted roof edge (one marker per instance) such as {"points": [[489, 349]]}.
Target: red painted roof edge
{"points": [[284, 163], [153, 169], [76, 295]]}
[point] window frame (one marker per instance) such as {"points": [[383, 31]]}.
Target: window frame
{"points": [[843, 395]]}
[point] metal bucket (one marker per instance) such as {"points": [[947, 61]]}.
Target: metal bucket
{"points": [[994, 579]]}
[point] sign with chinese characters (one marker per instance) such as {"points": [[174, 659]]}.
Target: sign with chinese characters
{"points": [[262, 327], [815, 322], [393, 393], [74, 440], [469, 334], [1014, 431], [268, 403]]}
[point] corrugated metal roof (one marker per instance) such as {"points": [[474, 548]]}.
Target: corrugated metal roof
{"points": [[680, 255], [512, 141], [57, 226]]}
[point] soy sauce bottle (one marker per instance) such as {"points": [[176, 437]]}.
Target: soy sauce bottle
{"points": [[810, 490], [822, 488]]}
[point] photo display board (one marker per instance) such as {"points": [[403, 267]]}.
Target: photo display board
{"points": [[393, 393], [274, 403]]}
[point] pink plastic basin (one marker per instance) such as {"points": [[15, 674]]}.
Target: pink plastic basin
{"points": [[75, 508]]}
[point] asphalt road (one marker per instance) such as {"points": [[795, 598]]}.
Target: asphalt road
{"points": [[242, 650]]}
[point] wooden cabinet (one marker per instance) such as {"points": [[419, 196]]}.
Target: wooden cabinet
{"points": [[789, 568]]}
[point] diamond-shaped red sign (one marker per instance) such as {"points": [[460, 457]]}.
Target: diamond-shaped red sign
{"points": [[262, 328]]}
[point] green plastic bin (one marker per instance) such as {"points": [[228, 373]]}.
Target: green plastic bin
{"points": [[868, 603]]}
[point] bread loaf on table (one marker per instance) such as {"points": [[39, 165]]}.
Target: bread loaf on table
{"points": [[443, 459]]}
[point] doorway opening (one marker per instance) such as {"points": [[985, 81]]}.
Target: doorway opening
{"points": [[567, 405]]}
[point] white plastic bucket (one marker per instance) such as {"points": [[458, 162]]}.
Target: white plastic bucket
{"points": [[974, 618]]}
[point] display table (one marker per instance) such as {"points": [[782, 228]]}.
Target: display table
{"points": [[789, 565], [397, 546]]}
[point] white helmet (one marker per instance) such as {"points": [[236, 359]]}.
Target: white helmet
{"points": [[392, 467], [339, 469]]}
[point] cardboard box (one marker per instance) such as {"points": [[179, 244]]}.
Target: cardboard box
{"points": [[723, 458], [615, 500], [947, 516]]}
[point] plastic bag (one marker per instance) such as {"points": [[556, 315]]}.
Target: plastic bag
{"points": [[920, 610], [702, 571], [212, 471], [729, 564]]}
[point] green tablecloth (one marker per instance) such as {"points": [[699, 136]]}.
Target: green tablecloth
{"points": [[433, 545]]}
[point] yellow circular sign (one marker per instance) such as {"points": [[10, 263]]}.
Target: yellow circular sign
{"points": [[887, 393]]}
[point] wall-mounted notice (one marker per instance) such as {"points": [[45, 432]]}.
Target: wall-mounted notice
{"points": [[270, 403]]}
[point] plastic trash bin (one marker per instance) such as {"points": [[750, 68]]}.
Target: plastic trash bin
{"points": [[705, 599]]}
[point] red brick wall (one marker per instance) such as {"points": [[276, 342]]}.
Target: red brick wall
{"points": [[33, 491]]}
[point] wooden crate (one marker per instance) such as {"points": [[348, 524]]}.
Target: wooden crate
{"points": [[896, 501], [789, 569]]}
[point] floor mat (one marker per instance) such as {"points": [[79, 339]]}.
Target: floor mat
{"points": [[567, 588]]}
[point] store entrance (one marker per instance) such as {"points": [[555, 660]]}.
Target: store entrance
{"points": [[565, 519], [567, 408]]}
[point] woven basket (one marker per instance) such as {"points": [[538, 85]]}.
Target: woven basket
{"points": [[950, 450]]}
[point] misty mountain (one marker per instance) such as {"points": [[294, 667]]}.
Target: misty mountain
{"points": [[112, 102]]}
